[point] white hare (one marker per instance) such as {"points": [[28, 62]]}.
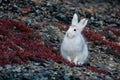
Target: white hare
{"points": [[74, 47]]}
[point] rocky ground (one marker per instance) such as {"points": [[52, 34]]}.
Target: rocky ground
{"points": [[51, 19]]}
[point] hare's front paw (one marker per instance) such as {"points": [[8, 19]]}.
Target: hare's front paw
{"points": [[77, 61]]}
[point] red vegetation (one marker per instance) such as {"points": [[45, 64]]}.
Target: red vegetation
{"points": [[96, 37], [93, 68], [114, 30], [19, 43], [61, 25]]}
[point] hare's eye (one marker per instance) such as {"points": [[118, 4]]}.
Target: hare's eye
{"points": [[74, 29]]}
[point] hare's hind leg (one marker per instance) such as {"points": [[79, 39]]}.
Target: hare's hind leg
{"points": [[69, 59]]}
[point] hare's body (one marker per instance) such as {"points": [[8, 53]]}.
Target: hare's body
{"points": [[74, 47], [72, 50]]}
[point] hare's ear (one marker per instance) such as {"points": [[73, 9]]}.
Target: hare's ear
{"points": [[75, 20], [82, 24]]}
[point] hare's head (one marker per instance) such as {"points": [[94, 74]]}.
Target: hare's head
{"points": [[76, 27]]}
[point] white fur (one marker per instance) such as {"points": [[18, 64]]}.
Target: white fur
{"points": [[74, 47]]}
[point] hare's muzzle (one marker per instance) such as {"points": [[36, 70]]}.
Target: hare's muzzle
{"points": [[69, 35]]}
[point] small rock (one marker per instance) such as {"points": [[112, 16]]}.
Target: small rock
{"points": [[1, 68], [8, 66], [108, 78]]}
